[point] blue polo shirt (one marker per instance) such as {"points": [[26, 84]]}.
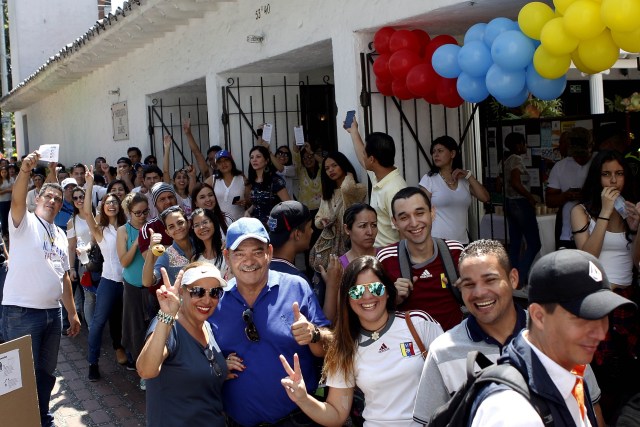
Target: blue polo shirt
{"points": [[257, 396]]}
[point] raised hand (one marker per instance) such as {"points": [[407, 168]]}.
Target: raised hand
{"points": [[168, 295], [186, 126], [459, 174], [166, 142], [30, 162], [332, 276], [301, 328], [88, 175], [294, 382]]}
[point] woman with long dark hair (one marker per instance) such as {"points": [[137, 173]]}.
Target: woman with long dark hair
{"points": [[110, 290], [450, 188], [606, 226], [267, 188], [389, 379], [204, 197], [229, 186], [207, 239], [340, 189]]}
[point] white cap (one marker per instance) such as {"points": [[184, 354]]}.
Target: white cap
{"points": [[68, 181], [203, 271]]}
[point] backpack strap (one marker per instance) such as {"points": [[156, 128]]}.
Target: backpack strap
{"points": [[403, 259], [450, 269], [414, 334]]}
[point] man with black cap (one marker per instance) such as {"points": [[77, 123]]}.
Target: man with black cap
{"points": [[570, 299], [163, 196], [264, 314], [290, 234]]}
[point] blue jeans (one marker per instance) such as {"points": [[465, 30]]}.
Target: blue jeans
{"points": [[521, 219], [108, 299], [45, 327]]}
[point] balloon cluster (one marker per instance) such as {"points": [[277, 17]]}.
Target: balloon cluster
{"points": [[404, 68], [496, 59], [588, 32]]}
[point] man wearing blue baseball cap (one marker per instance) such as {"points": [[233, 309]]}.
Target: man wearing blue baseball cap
{"points": [[265, 314]]}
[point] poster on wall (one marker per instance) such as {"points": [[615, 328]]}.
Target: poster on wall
{"points": [[120, 119]]}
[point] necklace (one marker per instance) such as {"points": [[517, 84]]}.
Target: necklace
{"points": [[375, 335], [449, 183]]}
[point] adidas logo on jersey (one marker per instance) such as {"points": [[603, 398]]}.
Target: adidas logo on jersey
{"points": [[383, 348], [425, 274]]}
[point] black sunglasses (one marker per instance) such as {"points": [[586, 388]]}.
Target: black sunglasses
{"points": [[198, 292], [250, 330], [212, 360]]}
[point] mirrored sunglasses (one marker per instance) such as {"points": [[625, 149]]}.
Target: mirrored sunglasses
{"points": [[376, 289], [199, 292]]}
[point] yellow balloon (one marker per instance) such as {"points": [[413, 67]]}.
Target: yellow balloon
{"points": [[555, 39], [627, 41], [575, 58], [532, 17], [621, 15], [562, 5], [582, 19], [599, 53], [550, 66]]}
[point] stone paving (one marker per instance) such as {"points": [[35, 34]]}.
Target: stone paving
{"points": [[114, 400]]}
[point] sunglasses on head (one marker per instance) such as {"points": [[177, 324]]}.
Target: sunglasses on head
{"points": [[199, 292], [376, 289], [250, 329]]}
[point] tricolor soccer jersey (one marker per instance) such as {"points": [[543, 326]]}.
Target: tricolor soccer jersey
{"points": [[388, 369], [429, 293]]}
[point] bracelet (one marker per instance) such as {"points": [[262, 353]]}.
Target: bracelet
{"points": [[165, 318], [603, 218], [467, 175], [23, 171]]}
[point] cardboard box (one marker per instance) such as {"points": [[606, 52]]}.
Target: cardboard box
{"points": [[18, 396]]}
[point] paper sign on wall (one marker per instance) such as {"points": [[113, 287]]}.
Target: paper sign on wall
{"points": [[49, 152]]}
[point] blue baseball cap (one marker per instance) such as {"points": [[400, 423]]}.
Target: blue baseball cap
{"points": [[223, 153], [243, 229]]}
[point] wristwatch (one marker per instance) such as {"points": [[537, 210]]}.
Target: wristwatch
{"points": [[315, 335]]}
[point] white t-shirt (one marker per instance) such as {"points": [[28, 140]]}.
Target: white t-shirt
{"points": [[79, 229], [290, 179], [388, 370], [452, 207], [31, 199], [512, 162], [111, 267], [566, 174], [39, 260], [225, 196]]}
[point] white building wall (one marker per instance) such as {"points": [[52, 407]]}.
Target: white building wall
{"points": [[213, 48], [40, 28]]}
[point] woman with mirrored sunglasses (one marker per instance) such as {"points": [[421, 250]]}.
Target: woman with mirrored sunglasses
{"points": [[137, 304], [373, 349], [180, 350]]}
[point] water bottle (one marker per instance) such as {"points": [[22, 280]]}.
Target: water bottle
{"points": [[619, 206]]}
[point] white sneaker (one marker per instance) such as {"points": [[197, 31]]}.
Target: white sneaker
{"points": [[143, 384]]}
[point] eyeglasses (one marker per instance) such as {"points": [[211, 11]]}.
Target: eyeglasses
{"points": [[112, 202], [203, 223], [78, 198], [282, 153], [212, 361], [199, 292], [250, 330], [143, 212], [376, 289]]}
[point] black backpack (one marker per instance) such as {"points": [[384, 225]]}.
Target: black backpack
{"points": [[457, 411]]}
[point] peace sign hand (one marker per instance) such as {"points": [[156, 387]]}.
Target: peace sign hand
{"points": [[88, 175], [294, 383], [168, 297]]}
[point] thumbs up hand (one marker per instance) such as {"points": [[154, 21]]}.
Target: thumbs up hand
{"points": [[301, 328]]}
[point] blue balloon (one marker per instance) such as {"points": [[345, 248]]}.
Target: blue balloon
{"points": [[515, 101], [503, 83], [497, 26], [474, 58], [445, 61], [512, 50], [545, 89], [472, 89], [475, 32]]}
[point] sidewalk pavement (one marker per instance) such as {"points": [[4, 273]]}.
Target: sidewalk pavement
{"points": [[114, 400]]}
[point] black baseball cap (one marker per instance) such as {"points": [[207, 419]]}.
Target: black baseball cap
{"points": [[124, 160], [575, 280], [284, 217]]}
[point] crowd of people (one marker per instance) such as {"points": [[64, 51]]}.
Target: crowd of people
{"points": [[281, 297]]}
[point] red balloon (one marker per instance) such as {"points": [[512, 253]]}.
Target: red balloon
{"points": [[381, 67], [400, 90], [404, 39], [401, 62], [381, 39], [432, 96], [420, 80], [384, 87], [435, 43], [423, 37], [448, 93]]}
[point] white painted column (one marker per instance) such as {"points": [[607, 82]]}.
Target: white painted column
{"points": [[214, 109], [597, 93]]}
